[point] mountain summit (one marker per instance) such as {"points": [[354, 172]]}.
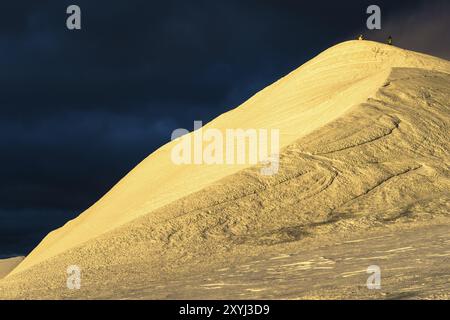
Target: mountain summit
{"points": [[364, 143]]}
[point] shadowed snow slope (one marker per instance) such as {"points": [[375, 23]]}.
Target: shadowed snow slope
{"points": [[6, 265], [364, 135]]}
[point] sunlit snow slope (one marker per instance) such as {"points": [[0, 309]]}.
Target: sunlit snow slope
{"points": [[358, 116]]}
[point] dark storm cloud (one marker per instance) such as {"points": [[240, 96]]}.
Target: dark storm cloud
{"points": [[417, 26], [78, 109], [19, 238], [424, 28]]}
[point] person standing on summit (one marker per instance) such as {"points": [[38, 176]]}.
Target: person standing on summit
{"points": [[389, 41]]}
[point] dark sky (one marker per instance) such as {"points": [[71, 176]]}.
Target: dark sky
{"points": [[79, 109]]}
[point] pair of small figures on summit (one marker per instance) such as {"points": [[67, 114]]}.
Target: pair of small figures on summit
{"points": [[389, 40]]}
